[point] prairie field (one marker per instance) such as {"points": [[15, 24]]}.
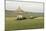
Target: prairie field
{"points": [[13, 24]]}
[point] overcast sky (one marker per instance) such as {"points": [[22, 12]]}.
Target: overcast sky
{"points": [[27, 0], [26, 6]]}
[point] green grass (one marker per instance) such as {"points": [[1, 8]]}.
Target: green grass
{"points": [[13, 24]]}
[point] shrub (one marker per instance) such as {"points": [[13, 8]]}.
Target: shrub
{"points": [[24, 18], [20, 18], [32, 17]]}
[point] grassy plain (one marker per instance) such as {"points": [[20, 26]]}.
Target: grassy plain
{"points": [[13, 24]]}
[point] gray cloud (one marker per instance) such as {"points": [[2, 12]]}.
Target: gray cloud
{"points": [[30, 7], [10, 0]]}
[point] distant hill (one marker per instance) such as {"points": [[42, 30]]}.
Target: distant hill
{"points": [[13, 13]]}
